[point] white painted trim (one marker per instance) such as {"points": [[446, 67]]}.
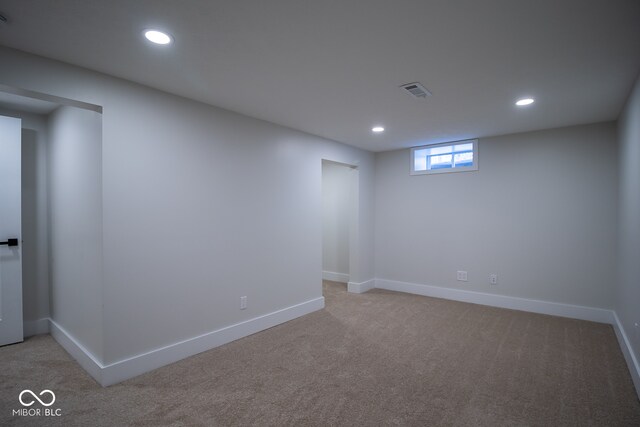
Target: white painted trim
{"points": [[515, 303], [535, 306], [335, 277], [141, 363], [358, 288], [627, 351], [83, 356], [36, 327], [131, 367]]}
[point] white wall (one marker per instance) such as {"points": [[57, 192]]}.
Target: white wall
{"points": [[336, 216], [35, 253], [216, 206], [200, 207], [75, 227], [627, 303], [540, 212]]}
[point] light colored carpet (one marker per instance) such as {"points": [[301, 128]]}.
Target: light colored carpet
{"points": [[380, 358]]}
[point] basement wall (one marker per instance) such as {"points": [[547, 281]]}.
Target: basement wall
{"points": [[627, 301], [200, 206], [540, 213]]}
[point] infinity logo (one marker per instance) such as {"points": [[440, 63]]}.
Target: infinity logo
{"points": [[29, 403]]}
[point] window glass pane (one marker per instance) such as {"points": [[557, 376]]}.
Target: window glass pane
{"points": [[449, 157], [463, 159], [463, 147], [439, 162], [440, 150], [420, 160]]}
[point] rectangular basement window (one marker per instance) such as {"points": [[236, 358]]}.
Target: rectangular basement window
{"points": [[461, 156]]}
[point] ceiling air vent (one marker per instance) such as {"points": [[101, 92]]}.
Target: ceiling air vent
{"points": [[416, 90]]}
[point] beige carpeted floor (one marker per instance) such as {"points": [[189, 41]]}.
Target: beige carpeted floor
{"points": [[380, 358]]}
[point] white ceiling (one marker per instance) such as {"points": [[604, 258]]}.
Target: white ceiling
{"points": [[333, 67]]}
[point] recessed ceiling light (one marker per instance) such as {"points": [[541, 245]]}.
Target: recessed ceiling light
{"points": [[157, 37], [377, 129], [525, 101]]}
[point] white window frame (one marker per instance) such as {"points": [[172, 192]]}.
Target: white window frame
{"points": [[473, 167]]}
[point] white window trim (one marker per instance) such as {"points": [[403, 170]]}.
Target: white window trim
{"points": [[447, 170]]}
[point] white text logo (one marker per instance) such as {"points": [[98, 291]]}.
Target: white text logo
{"points": [[29, 400]]}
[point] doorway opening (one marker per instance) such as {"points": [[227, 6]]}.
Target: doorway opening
{"points": [[57, 148], [339, 222]]}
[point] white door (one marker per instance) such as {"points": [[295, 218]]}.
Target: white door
{"points": [[10, 231]]}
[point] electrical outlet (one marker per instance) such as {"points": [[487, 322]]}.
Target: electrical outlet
{"points": [[493, 279], [462, 276], [243, 303]]}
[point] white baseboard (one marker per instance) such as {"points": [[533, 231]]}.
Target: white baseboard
{"points": [[358, 288], [530, 305], [139, 364], [83, 356], [514, 303], [335, 277], [35, 327], [131, 367], [627, 351]]}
